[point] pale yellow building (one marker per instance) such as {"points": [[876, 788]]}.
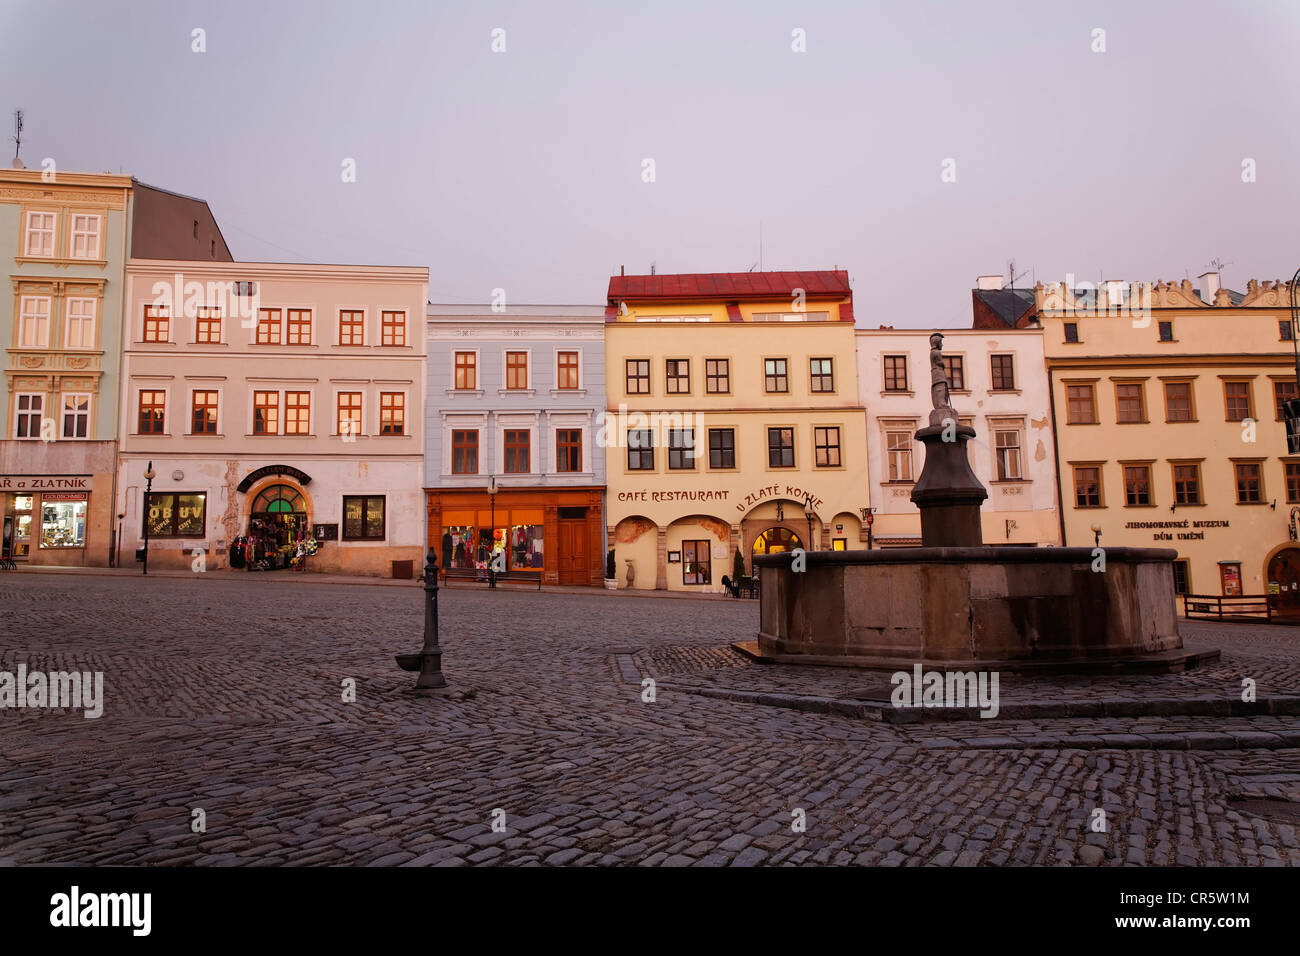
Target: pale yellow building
{"points": [[732, 419]]}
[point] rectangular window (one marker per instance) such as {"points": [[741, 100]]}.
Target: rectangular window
{"points": [[298, 327], [775, 375], [157, 324], [392, 328], [352, 327], [1130, 403], [1237, 401], [27, 422], [1293, 482], [822, 375], [1284, 330], [826, 446], [516, 370], [363, 517], [638, 376], [266, 413], [780, 447], [40, 235], [899, 450], [80, 331], [681, 449], [297, 413], [84, 241], [1166, 331], [203, 412], [566, 370], [34, 322], [722, 448], [640, 450], [1283, 392], [954, 366], [1137, 485], [1087, 486], [464, 452], [1182, 577], [392, 413], [1187, 484], [207, 325], [678, 376], [896, 373], [153, 411], [268, 326], [1178, 402], [1250, 483], [176, 515], [348, 419], [717, 376], [76, 415], [466, 371], [1007, 443], [1072, 331], [517, 449], [63, 524], [1003, 370], [568, 449], [1080, 405], [695, 562]]}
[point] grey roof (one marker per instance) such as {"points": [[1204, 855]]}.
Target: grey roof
{"points": [[1009, 305]]}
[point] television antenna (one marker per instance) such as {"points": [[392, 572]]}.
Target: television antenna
{"points": [[18, 132]]}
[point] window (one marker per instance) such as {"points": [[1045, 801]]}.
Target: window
{"points": [[1283, 391], [1137, 485], [775, 377], [1080, 405], [40, 235], [207, 325], [203, 412], [153, 408], [466, 370], [1292, 482], [1130, 403], [640, 450], [363, 517], [176, 515], [695, 562], [352, 327], [464, 452], [1166, 331], [898, 446], [297, 413], [722, 448], [566, 370], [1187, 484], [954, 366], [516, 370], [1003, 371], [1284, 330], [34, 322], [1007, 443], [826, 447], [27, 423], [1250, 483], [1237, 401], [63, 524], [349, 413], [678, 374], [84, 241], [638, 376], [780, 447], [717, 376], [266, 413], [568, 449], [298, 327], [1182, 577], [392, 413], [1072, 331], [268, 327], [392, 328], [517, 448], [1087, 486], [896, 373], [1178, 402], [681, 449], [80, 330], [821, 374], [157, 323]]}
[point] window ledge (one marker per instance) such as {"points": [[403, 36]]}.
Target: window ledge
{"points": [[560, 392], [505, 392], [1011, 481], [453, 392], [1004, 391], [891, 392], [61, 261]]}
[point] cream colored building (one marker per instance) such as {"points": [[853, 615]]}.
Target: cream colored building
{"points": [[999, 387], [732, 409], [285, 401]]}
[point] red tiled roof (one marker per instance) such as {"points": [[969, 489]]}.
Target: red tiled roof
{"points": [[729, 285]]}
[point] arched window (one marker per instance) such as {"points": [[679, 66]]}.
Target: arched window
{"points": [[776, 540], [278, 499]]}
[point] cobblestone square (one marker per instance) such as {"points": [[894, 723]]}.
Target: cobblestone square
{"points": [[226, 694]]}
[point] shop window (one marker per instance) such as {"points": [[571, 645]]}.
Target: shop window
{"points": [[776, 541], [298, 327], [352, 327], [695, 562], [177, 514], [640, 450], [392, 328], [76, 415], [839, 544], [568, 449], [525, 546], [268, 326], [27, 418], [717, 376], [464, 452], [722, 448], [363, 517], [821, 374], [826, 442], [63, 524], [681, 449], [776, 378], [518, 445], [780, 447], [22, 542]]}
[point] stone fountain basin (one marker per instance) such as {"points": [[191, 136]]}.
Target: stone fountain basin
{"points": [[1007, 607]]}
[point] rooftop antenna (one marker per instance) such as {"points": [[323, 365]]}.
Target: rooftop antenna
{"points": [[760, 245], [18, 132], [652, 268]]}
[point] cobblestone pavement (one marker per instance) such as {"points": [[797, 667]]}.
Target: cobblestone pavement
{"points": [[227, 696]]}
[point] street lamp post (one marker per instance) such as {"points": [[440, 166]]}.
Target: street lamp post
{"points": [[809, 513], [1096, 535], [149, 476], [492, 497], [869, 518], [1292, 405]]}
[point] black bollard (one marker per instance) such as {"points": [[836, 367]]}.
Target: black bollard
{"points": [[429, 661]]}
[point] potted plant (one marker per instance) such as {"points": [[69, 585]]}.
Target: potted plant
{"points": [[611, 569], [737, 566]]}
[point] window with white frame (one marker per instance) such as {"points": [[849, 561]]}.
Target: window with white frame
{"points": [[34, 322], [76, 415], [899, 450], [40, 235], [80, 329], [27, 418], [1007, 441], [84, 240]]}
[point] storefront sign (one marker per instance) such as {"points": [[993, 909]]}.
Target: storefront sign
{"points": [[673, 495], [64, 496], [1175, 533], [269, 471], [674, 557], [325, 532], [45, 482], [776, 491]]}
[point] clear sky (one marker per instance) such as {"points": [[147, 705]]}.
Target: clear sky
{"points": [[523, 169]]}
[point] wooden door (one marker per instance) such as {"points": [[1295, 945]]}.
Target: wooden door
{"points": [[1284, 582], [572, 552]]}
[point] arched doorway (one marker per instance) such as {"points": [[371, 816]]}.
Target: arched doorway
{"points": [[1284, 581], [279, 512], [775, 541]]}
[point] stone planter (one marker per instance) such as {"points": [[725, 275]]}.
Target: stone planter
{"points": [[611, 584]]}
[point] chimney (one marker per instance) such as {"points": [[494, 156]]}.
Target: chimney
{"points": [[622, 270], [1209, 286], [1114, 292], [988, 283]]}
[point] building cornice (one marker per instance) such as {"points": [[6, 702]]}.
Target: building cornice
{"points": [[245, 271]]}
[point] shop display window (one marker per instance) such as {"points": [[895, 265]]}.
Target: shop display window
{"points": [[63, 524]]}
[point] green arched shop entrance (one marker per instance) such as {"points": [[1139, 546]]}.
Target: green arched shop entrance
{"points": [[281, 509]]}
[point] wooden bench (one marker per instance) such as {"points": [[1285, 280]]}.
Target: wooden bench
{"points": [[481, 576]]}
